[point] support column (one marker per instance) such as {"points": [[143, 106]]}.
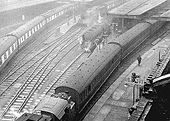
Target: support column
{"points": [[122, 25]]}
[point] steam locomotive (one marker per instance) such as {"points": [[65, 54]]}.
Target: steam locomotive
{"points": [[74, 93], [95, 35], [15, 40]]}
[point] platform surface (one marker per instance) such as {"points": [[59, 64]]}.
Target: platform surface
{"points": [[114, 103]]}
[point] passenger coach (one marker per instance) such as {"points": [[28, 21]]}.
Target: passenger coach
{"points": [[18, 38]]}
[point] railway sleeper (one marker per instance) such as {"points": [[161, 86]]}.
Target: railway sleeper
{"points": [[8, 115], [17, 103], [19, 100], [15, 106]]}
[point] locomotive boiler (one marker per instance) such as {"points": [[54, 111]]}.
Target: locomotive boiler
{"points": [[95, 35]]}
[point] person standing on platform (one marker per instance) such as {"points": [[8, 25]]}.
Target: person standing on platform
{"points": [[139, 60], [133, 77]]}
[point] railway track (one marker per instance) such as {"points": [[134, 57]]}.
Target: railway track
{"points": [[35, 44], [34, 60], [28, 53], [161, 33], [36, 71]]}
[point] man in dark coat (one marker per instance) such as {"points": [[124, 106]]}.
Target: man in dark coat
{"points": [[139, 60]]}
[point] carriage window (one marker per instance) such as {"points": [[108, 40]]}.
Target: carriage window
{"points": [[38, 27], [29, 33], [47, 20], [52, 17], [19, 41], [7, 54], [26, 35], [14, 46], [0, 61], [11, 49], [35, 28], [3, 60], [43, 22], [62, 12], [23, 38]]}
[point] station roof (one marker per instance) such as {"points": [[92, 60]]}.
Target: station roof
{"points": [[166, 14], [146, 7], [127, 7], [165, 79], [136, 7]]}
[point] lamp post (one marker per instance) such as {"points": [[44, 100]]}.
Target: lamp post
{"points": [[113, 28], [135, 91]]}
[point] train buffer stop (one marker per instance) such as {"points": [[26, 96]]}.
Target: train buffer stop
{"points": [[123, 94]]}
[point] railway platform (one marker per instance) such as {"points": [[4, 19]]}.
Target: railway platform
{"points": [[121, 95]]}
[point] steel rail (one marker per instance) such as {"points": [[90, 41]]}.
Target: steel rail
{"points": [[22, 89]]}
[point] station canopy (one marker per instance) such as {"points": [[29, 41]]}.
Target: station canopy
{"points": [[166, 14], [136, 8]]}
